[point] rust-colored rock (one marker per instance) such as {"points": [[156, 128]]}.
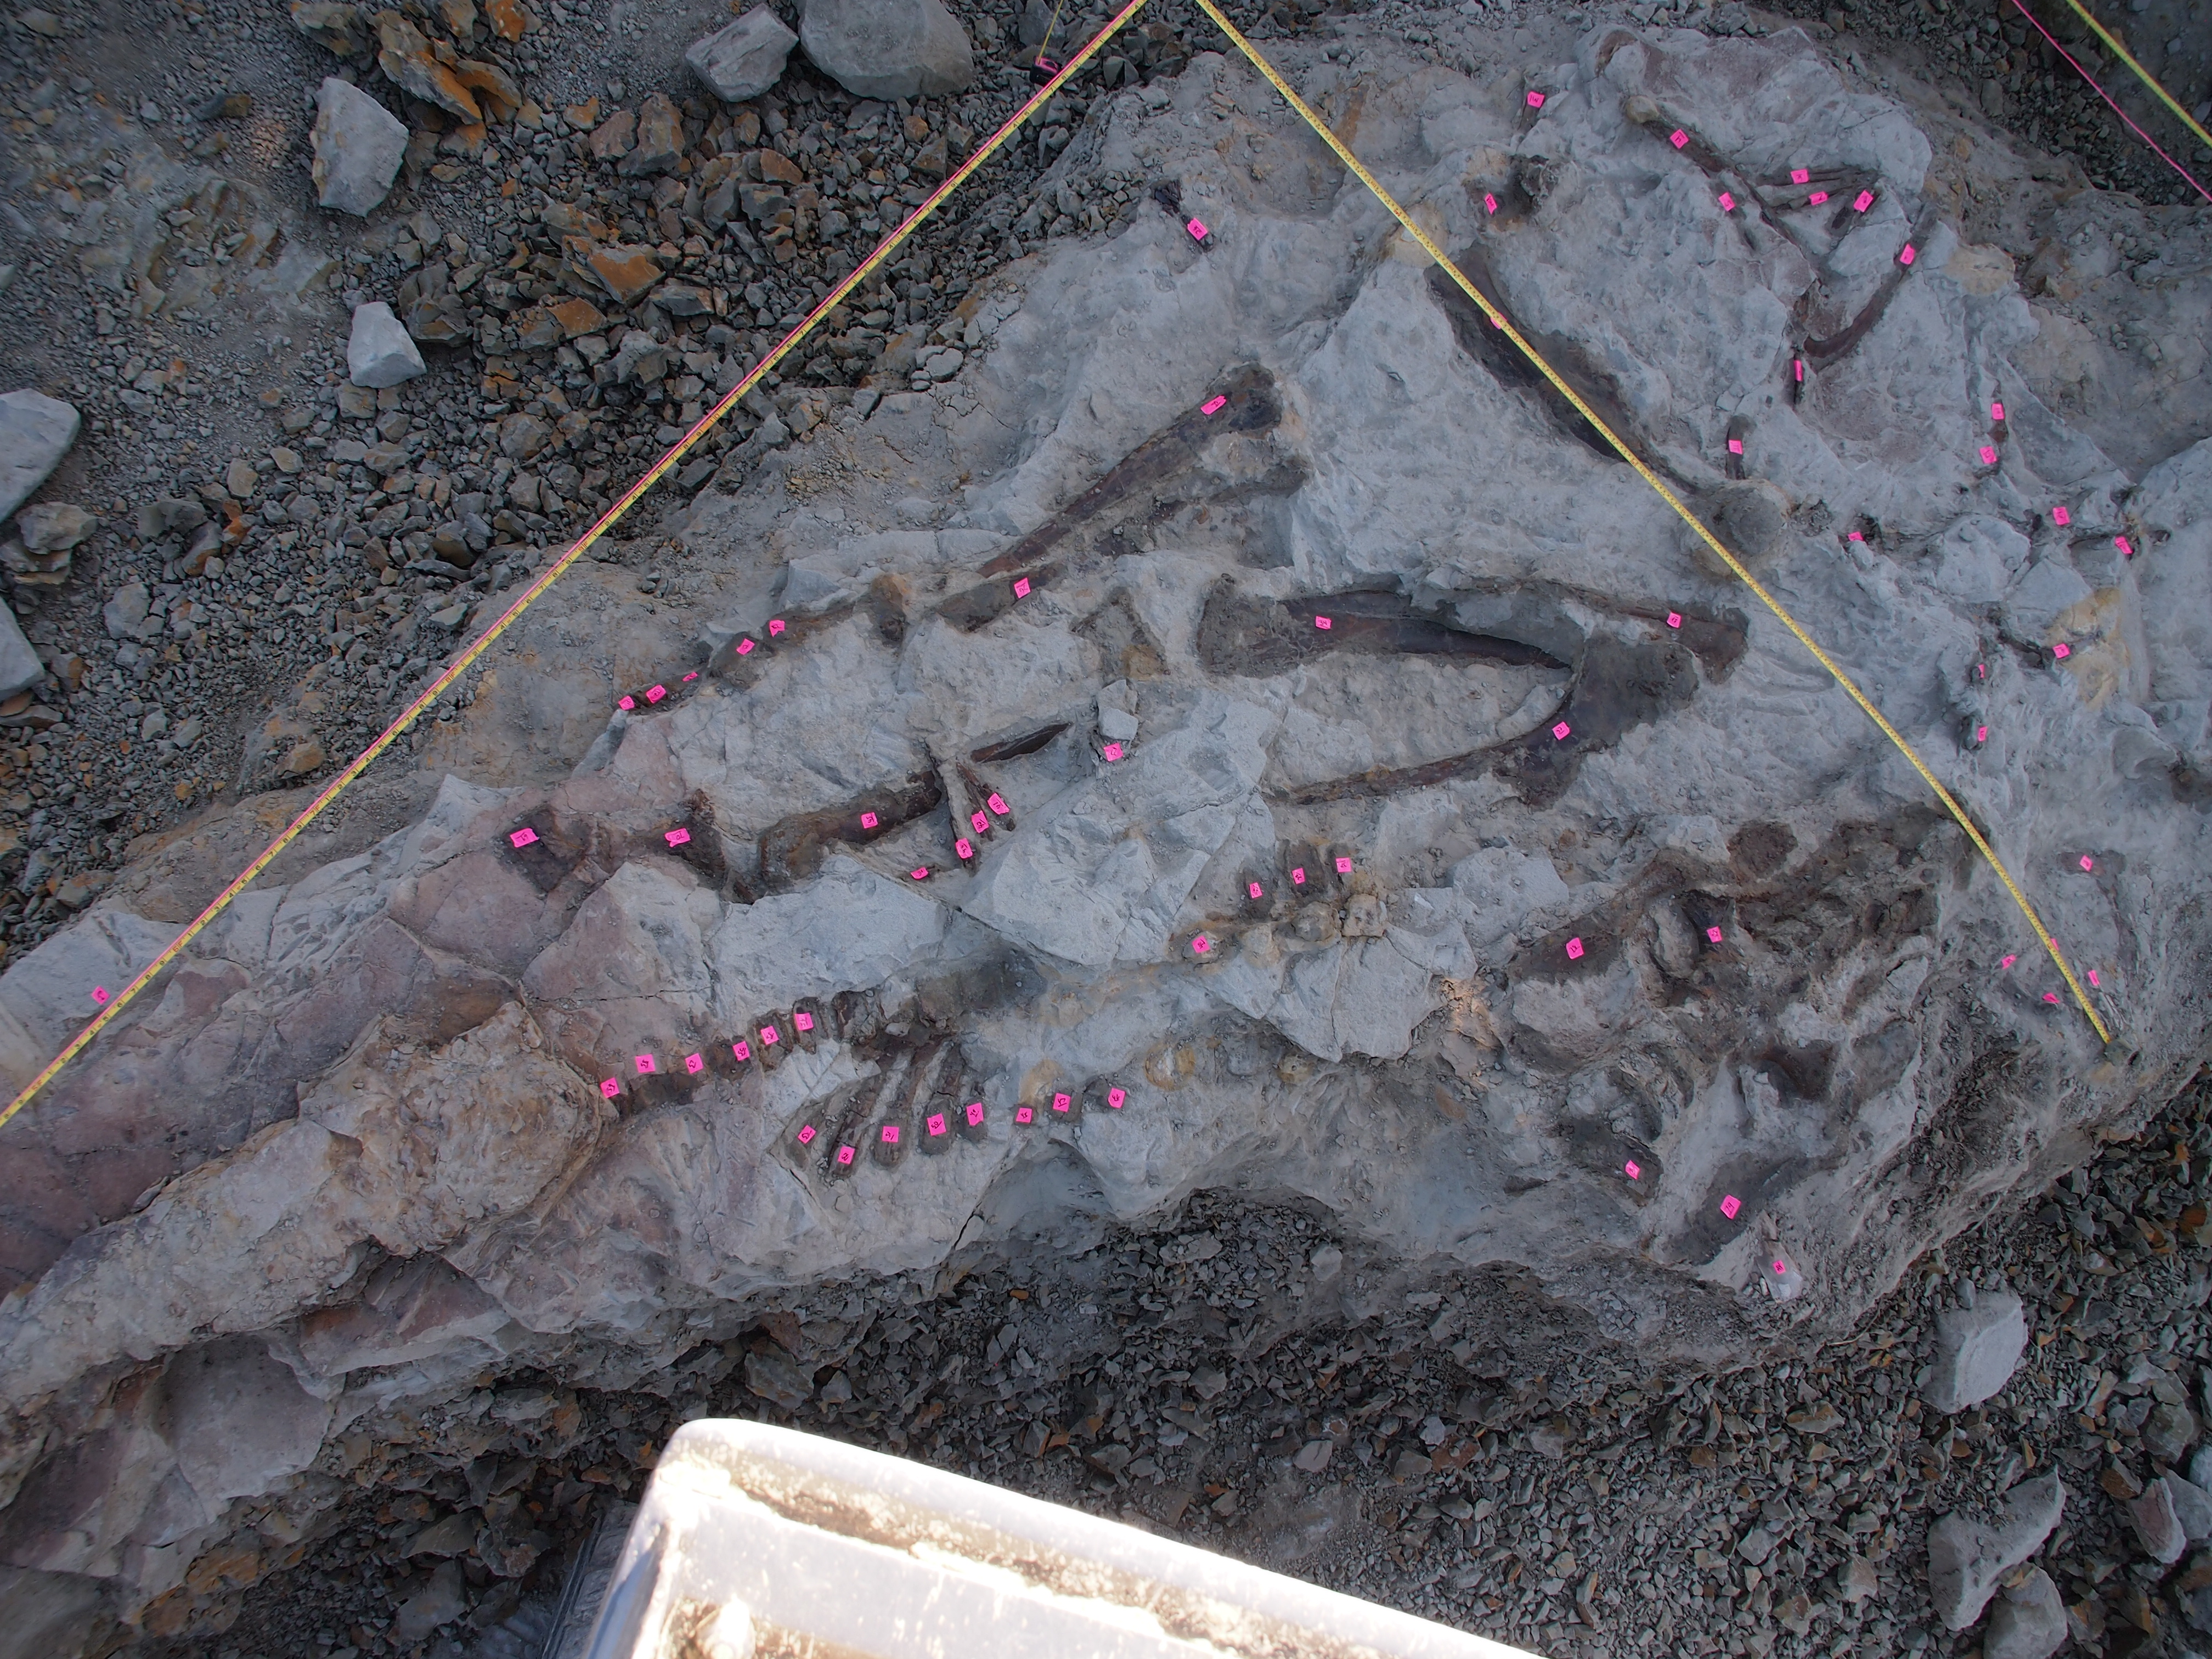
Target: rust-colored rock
{"points": [[625, 272], [613, 137], [777, 168], [578, 316], [498, 88], [405, 55], [507, 18]]}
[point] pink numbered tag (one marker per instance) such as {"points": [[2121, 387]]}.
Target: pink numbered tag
{"points": [[1112, 751], [742, 1049], [1730, 1205], [1061, 1103], [1816, 198], [610, 1087], [775, 626], [1344, 867], [1116, 1098], [745, 648], [1800, 176], [1906, 257], [964, 847], [645, 1066], [1253, 889], [807, 1133], [2126, 552], [2051, 997], [1713, 934], [769, 1036], [99, 995], [1981, 671], [890, 1134], [678, 838], [1678, 138], [1856, 537], [920, 872], [1981, 734], [845, 1156], [979, 823], [1201, 944], [995, 803], [1574, 949], [1631, 1169], [2093, 978], [1021, 587], [1865, 201], [802, 1021], [1211, 404], [1560, 730], [975, 1111], [1996, 412], [2060, 515], [1797, 368], [1727, 202], [1197, 229], [1780, 1267], [1988, 456], [626, 702], [1024, 1114], [694, 1064], [522, 837], [1321, 622], [1674, 619], [690, 676], [936, 1124], [2088, 863], [2006, 962], [869, 820], [2062, 651], [1536, 100], [1298, 876], [656, 693], [1489, 205], [1736, 446]]}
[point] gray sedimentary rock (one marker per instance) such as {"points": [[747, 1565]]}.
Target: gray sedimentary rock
{"points": [[745, 59], [1966, 1557], [380, 352], [19, 663], [2029, 1621], [2159, 1528], [35, 432], [887, 48], [359, 145], [1977, 1346], [2192, 1506]]}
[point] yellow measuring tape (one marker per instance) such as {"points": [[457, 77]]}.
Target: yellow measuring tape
{"points": [[2143, 73], [606, 521], [1500, 319]]}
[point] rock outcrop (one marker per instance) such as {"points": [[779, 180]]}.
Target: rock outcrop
{"points": [[887, 48], [1294, 754]]}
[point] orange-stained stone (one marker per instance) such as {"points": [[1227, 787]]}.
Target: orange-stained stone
{"points": [[498, 88], [507, 18], [624, 272], [579, 316]]}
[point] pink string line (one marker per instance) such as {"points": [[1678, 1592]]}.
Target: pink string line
{"points": [[2107, 97]]}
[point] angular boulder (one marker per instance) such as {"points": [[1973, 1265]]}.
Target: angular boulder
{"points": [[359, 145], [19, 666], [745, 59], [380, 352], [239, 1420], [2029, 1621], [1967, 1558], [35, 432], [1977, 1346], [887, 48]]}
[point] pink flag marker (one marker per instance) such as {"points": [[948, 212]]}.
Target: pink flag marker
{"points": [[1574, 949], [1996, 412], [694, 1064], [2126, 552], [1116, 1098], [807, 1133], [1797, 368], [995, 803], [610, 1087], [1631, 1170], [2088, 863], [1321, 622], [1061, 1104], [936, 1124], [1536, 100], [745, 648], [1800, 176], [1856, 537], [2059, 515], [920, 872], [645, 1066], [1981, 671], [2006, 962], [1021, 587], [1727, 202], [868, 820], [99, 995], [890, 1134], [1730, 1205], [979, 823], [1981, 734], [742, 1049], [2051, 997], [775, 626], [1201, 944], [678, 838], [626, 702], [524, 836], [974, 1110], [2093, 978], [769, 1036], [656, 693], [1298, 876], [1211, 404], [690, 676], [1253, 889], [1906, 257], [1197, 229], [802, 1021], [1988, 456], [1489, 203], [1559, 731], [846, 1155], [1024, 1114], [1780, 1267], [1736, 446], [1816, 198], [1865, 201], [964, 847], [1678, 138], [1344, 867], [1112, 751], [2061, 650], [1713, 934], [1674, 619]]}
